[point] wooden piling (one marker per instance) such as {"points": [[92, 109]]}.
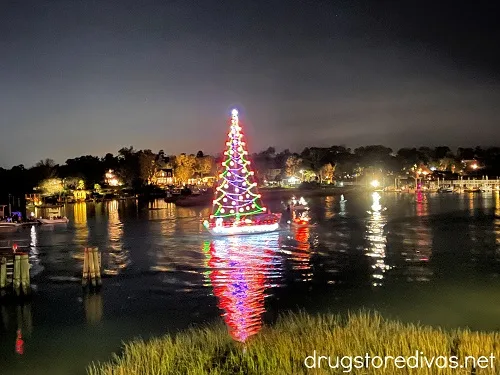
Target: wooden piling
{"points": [[92, 269], [16, 283], [85, 273], [97, 266], [25, 274], [3, 272]]}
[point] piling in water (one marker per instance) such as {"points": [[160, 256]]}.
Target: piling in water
{"points": [[91, 268], [25, 274], [3, 272], [16, 284], [97, 266], [85, 273]]}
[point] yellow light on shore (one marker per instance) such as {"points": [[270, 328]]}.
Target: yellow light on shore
{"points": [[375, 183]]}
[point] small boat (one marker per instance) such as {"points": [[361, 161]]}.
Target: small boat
{"points": [[472, 190], [60, 220], [258, 224], [9, 225], [445, 190], [58, 205], [194, 200], [301, 219], [299, 204]]}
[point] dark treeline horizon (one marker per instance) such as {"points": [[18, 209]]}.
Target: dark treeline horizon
{"points": [[136, 167], [351, 149]]}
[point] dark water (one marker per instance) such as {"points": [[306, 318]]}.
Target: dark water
{"points": [[429, 258]]}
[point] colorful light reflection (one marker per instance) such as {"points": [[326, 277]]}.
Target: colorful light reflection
{"points": [[239, 272]]}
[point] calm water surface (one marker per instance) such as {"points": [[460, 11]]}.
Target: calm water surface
{"points": [[428, 257]]}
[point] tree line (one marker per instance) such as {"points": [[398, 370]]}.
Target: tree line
{"points": [[137, 167]]}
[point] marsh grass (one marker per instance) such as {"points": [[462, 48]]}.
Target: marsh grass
{"points": [[281, 349]]}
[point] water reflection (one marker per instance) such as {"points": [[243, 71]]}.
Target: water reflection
{"points": [[117, 256], [301, 253], [164, 213], [376, 240], [419, 242], [496, 223], [93, 308], [80, 223], [17, 317], [34, 254], [240, 271], [329, 207]]}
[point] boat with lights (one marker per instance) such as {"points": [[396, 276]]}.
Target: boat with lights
{"points": [[54, 220], [298, 204], [237, 206]]}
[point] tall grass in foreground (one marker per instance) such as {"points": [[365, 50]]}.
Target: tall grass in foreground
{"points": [[281, 349]]}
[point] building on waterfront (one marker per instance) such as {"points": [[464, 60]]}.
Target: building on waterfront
{"points": [[80, 195], [111, 179], [199, 179], [163, 177], [33, 199]]}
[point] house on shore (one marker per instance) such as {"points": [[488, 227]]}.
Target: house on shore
{"points": [[163, 177]]}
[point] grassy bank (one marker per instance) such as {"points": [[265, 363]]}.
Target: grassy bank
{"points": [[281, 349]]}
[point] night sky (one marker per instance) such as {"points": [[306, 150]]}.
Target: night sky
{"points": [[89, 77]]}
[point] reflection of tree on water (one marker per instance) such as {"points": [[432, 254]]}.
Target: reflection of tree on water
{"points": [[240, 271]]}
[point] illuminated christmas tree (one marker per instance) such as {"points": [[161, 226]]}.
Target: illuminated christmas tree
{"points": [[237, 191], [237, 202]]}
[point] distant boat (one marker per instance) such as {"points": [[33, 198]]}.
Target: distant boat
{"points": [[9, 225], [445, 190], [472, 190], [194, 200], [49, 205], [300, 204], [62, 220]]}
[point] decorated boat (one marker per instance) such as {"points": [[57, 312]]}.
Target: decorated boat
{"points": [[57, 220], [301, 219], [237, 206], [298, 204]]}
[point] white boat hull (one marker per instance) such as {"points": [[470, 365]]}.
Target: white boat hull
{"points": [[54, 221], [243, 230], [9, 226]]}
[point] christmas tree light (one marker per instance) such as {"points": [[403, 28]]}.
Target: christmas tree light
{"points": [[237, 207]]}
